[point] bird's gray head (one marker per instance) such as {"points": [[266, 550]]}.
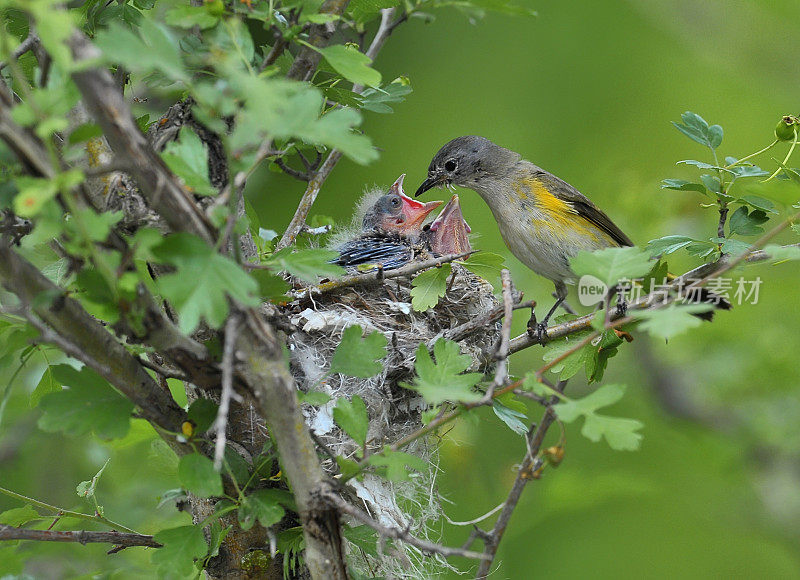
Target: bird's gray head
{"points": [[467, 161]]}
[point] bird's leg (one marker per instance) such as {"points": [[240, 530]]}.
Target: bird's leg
{"points": [[622, 304], [539, 330]]}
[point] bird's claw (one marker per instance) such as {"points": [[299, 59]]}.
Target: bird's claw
{"points": [[622, 307], [537, 330]]}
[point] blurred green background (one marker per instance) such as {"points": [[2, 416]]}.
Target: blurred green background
{"points": [[587, 90]]}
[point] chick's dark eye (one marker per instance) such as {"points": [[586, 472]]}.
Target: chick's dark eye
{"points": [[450, 165], [395, 201]]}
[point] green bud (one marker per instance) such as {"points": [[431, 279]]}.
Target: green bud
{"points": [[786, 127]]}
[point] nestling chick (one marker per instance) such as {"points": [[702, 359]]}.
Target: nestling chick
{"points": [[390, 232]]}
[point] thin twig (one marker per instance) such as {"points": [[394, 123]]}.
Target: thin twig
{"points": [[524, 474], [66, 513], [231, 330], [119, 539], [372, 277], [481, 322], [399, 534], [315, 184], [501, 372], [299, 175], [702, 274], [28, 44], [163, 371]]}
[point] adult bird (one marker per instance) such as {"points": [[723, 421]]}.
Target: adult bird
{"points": [[543, 220], [390, 233]]}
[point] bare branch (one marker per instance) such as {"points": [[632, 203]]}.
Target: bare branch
{"points": [[308, 199], [231, 329], [119, 539], [29, 43], [399, 534]]}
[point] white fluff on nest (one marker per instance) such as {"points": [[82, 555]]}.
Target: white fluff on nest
{"points": [[393, 411]]}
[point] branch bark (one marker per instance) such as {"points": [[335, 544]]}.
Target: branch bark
{"points": [[106, 104], [93, 344], [119, 539]]}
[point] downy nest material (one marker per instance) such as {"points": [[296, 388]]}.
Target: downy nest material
{"points": [[393, 410]]}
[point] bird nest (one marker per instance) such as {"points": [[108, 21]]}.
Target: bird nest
{"points": [[394, 411]]}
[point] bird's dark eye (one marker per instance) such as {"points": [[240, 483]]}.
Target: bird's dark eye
{"points": [[450, 165], [395, 201]]}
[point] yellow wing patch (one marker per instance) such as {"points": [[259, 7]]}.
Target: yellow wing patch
{"points": [[562, 217]]}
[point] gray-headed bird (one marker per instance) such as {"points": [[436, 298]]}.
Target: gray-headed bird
{"points": [[543, 220]]}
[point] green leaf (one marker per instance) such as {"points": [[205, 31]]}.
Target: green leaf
{"points": [[47, 384], [359, 357], [188, 159], [362, 11], [681, 185], [271, 286], [782, 253], [511, 417], [712, 183], [88, 405], [351, 416], [352, 64], [181, 547], [197, 474], [611, 265], [261, 505], [33, 194], [19, 516], [199, 289], [732, 246], [86, 489], [699, 164], [395, 465], [363, 537], [669, 244], [619, 433], [191, 16], [570, 366], [697, 129], [85, 132], [429, 286], [442, 381], [747, 224], [670, 321], [284, 109], [316, 398], [308, 265], [757, 202], [203, 412], [485, 264], [153, 50], [376, 100]]}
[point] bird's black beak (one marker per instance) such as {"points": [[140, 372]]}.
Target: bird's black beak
{"points": [[429, 183]]}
